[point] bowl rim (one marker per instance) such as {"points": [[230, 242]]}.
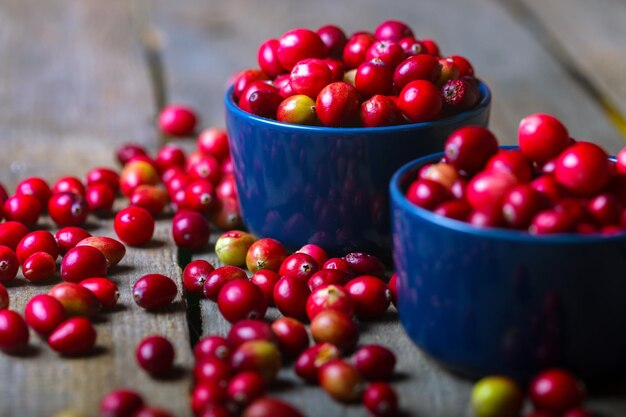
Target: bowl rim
{"points": [[484, 103], [398, 198]]}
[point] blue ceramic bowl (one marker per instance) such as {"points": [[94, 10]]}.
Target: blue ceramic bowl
{"points": [[485, 301], [310, 184]]}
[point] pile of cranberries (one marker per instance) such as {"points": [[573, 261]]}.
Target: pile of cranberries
{"points": [[550, 184], [553, 393], [384, 78]]}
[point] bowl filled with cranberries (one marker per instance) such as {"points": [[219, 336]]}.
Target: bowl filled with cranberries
{"points": [[511, 260], [317, 131]]}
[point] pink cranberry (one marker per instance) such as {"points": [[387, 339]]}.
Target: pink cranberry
{"points": [[365, 264], [542, 137], [68, 185], [100, 199], [393, 289], [240, 299], [334, 38], [154, 291], [454, 209], [68, 209], [552, 221], [465, 67], [339, 264], [245, 78], [83, 262], [112, 249], [120, 403], [177, 120], [205, 395], [155, 354], [604, 208], [460, 94], [341, 381]]}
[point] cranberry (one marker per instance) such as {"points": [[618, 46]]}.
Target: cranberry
{"points": [[212, 370], [226, 188], [217, 410], [214, 142], [548, 186], [232, 246], [337, 69], [469, 148], [460, 94], [195, 275], [106, 291], [290, 296], [155, 354], [542, 137], [339, 264], [246, 387], [205, 168], [39, 267], [552, 221], [112, 249], [620, 163], [43, 313], [11, 233], [219, 277], [104, 176], [521, 204], [454, 209], [3, 194], [427, 194], [496, 395], [480, 218], [261, 99], [36, 187], [391, 53], [190, 230], [206, 395], [297, 109], [298, 44], [334, 38], [292, 336], [75, 336], [227, 215], [266, 280], [100, 199], [177, 120], [246, 330], [299, 265], [465, 67], [309, 76], [128, 152], [22, 208], [487, 190], [329, 297], [604, 208], [392, 30], [309, 361], [83, 262], [270, 407], [583, 169], [393, 289], [444, 174], [336, 327], [151, 412], [370, 296], [37, 241], [374, 362], [420, 101], [76, 300], [556, 391], [418, 67], [9, 264], [355, 51], [120, 403], [373, 77], [258, 356], [328, 277], [381, 400], [267, 57], [341, 381], [68, 237], [578, 412], [245, 78], [449, 71], [136, 173], [13, 332], [265, 253], [134, 226], [511, 161], [170, 156], [240, 299], [151, 197], [200, 195], [4, 297], [378, 111], [154, 291], [212, 347], [365, 264], [337, 104]]}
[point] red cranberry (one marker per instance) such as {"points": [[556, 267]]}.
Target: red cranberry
{"points": [[290, 296], [365, 264], [170, 156], [266, 280], [151, 412], [465, 67], [309, 76], [299, 265], [103, 176], [190, 230], [381, 400], [155, 354], [151, 197], [310, 360], [548, 186], [246, 387], [22, 208], [542, 137], [454, 209], [68, 237], [240, 299], [449, 71], [583, 169], [370, 296], [261, 99], [392, 30], [486, 191], [259, 356], [177, 120], [298, 44], [112, 249], [200, 196], [392, 285], [267, 57], [460, 94], [4, 297], [578, 412], [75, 336], [120, 403], [391, 53], [245, 78], [154, 291], [292, 336], [68, 185], [556, 391], [37, 241], [355, 51], [336, 327], [604, 208], [341, 381], [136, 173], [334, 38], [227, 215], [100, 199], [339, 264], [129, 151], [373, 77], [217, 278], [43, 314], [9, 264], [328, 277], [374, 362], [217, 410], [418, 67], [246, 330], [134, 226], [195, 275], [38, 267], [427, 194], [83, 262], [329, 297], [420, 101], [212, 370], [226, 188], [13, 332], [214, 142], [469, 148], [444, 174], [271, 407], [552, 221], [521, 204], [265, 254], [212, 347], [337, 104], [378, 111], [511, 161], [106, 291], [205, 395], [36, 187], [11, 233], [76, 300]]}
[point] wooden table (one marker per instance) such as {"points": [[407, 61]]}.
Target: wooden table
{"points": [[78, 78]]}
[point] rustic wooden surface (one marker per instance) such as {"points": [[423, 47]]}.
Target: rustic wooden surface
{"points": [[74, 83]]}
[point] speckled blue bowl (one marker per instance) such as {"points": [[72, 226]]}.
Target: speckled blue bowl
{"points": [[329, 186], [485, 301]]}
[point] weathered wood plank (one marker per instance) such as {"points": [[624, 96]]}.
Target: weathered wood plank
{"points": [[73, 87]]}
